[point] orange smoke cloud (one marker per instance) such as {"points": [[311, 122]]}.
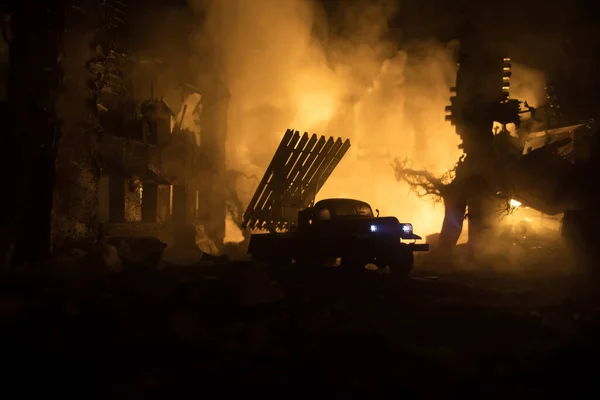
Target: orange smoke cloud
{"points": [[388, 100]]}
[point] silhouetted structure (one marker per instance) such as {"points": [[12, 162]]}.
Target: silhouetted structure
{"points": [[481, 98]]}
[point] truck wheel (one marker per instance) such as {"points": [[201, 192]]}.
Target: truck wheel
{"points": [[354, 265], [401, 261], [278, 268], [279, 262]]}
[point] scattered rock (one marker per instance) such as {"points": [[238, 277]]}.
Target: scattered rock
{"points": [[258, 288], [138, 253], [181, 256], [111, 259], [92, 260], [204, 243], [68, 256]]}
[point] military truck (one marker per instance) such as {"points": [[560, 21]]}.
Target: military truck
{"points": [[300, 229], [342, 228]]}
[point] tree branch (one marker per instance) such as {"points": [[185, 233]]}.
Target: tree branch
{"points": [[420, 181]]}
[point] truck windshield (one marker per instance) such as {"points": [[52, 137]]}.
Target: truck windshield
{"points": [[352, 209]]}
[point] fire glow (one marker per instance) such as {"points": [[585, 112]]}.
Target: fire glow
{"points": [[389, 101]]}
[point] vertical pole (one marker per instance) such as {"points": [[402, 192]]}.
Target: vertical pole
{"points": [[179, 204], [116, 195], [149, 202]]}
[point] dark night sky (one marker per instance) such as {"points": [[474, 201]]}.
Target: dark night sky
{"points": [[441, 19], [561, 38]]}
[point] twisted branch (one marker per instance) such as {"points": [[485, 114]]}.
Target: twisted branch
{"points": [[422, 182]]}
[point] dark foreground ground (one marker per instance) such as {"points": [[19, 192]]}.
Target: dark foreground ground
{"points": [[188, 331]]}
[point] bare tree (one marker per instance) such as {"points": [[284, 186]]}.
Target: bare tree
{"points": [[448, 188], [453, 188], [423, 182]]}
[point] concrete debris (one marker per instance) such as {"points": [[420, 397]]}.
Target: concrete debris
{"points": [[93, 260], [182, 255], [111, 259], [138, 253], [258, 289], [229, 317], [71, 256], [205, 243]]}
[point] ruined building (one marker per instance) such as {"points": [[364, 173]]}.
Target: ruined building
{"points": [[125, 168], [156, 175]]}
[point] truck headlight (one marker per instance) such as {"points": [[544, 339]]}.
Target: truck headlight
{"points": [[407, 228], [374, 228]]}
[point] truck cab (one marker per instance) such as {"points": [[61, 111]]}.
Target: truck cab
{"points": [[349, 216], [346, 229]]}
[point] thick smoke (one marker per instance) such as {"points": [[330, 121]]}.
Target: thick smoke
{"points": [[528, 84], [287, 67]]}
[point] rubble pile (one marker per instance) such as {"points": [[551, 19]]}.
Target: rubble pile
{"points": [[172, 328]]}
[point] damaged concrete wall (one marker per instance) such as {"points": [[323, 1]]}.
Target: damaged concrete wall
{"points": [[198, 171], [75, 210], [104, 163]]}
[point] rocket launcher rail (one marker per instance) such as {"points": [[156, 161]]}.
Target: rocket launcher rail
{"points": [[300, 167]]}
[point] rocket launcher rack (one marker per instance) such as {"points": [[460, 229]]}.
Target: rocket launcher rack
{"points": [[299, 169]]}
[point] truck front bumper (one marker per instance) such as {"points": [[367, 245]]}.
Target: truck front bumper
{"points": [[419, 246]]}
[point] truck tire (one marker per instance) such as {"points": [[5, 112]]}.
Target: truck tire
{"points": [[279, 262], [354, 266], [400, 260], [273, 260]]}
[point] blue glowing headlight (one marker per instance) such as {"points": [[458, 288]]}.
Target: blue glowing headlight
{"points": [[374, 228], [407, 228]]}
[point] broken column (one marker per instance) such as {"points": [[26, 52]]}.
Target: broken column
{"points": [[211, 196], [116, 195], [163, 203], [157, 117], [149, 202], [180, 201], [193, 201]]}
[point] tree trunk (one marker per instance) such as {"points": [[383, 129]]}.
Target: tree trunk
{"points": [[34, 83], [482, 205], [455, 206]]}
